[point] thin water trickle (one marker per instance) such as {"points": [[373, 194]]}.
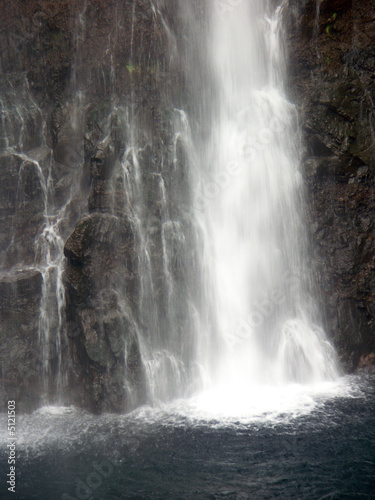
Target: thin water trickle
{"points": [[162, 232], [25, 142]]}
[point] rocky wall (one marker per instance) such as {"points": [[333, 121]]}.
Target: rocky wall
{"points": [[83, 82], [78, 81], [332, 79]]}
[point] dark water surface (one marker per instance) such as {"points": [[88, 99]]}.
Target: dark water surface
{"points": [[325, 450]]}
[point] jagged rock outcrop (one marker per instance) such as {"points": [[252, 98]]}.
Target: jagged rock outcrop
{"points": [[332, 80]]}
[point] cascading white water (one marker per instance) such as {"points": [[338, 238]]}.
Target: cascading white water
{"points": [[264, 320]]}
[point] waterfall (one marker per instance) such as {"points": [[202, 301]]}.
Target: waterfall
{"points": [[264, 326], [161, 206]]}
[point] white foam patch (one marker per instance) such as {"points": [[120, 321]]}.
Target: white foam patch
{"points": [[56, 410], [264, 405], [68, 428], [264, 402]]}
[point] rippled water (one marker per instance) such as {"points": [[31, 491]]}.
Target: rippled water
{"points": [[312, 443]]}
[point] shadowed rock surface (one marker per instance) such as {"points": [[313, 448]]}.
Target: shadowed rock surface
{"points": [[332, 80], [21, 360]]}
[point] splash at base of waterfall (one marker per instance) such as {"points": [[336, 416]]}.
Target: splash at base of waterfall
{"points": [[248, 402], [181, 452], [250, 385]]}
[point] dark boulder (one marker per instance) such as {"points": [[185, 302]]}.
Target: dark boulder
{"points": [[101, 282]]}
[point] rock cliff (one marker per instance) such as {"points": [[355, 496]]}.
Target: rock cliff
{"points": [[93, 179]]}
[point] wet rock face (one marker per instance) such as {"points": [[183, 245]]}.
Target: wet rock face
{"points": [[332, 81], [70, 71], [101, 282], [21, 360]]}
